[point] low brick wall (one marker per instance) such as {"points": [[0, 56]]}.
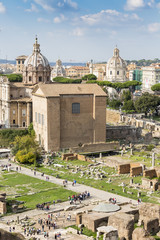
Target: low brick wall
{"points": [[150, 173], [81, 157], [97, 147], [65, 155], [135, 171], [123, 168]]}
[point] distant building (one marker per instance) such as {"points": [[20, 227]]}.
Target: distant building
{"points": [[62, 119], [16, 98], [132, 66], [116, 68], [36, 67], [98, 69], [77, 71], [58, 70], [151, 76], [20, 63], [136, 75]]}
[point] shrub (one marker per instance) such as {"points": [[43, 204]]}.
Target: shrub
{"points": [[150, 147], [24, 157]]}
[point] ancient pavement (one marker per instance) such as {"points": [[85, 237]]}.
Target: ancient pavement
{"points": [[95, 195]]}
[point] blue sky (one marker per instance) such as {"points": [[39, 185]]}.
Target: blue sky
{"points": [[80, 30]]}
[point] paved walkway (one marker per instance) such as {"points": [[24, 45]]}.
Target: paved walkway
{"points": [[95, 195], [79, 188]]}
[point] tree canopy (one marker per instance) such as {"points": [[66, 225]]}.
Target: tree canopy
{"points": [[117, 85], [89, 77], [66, 80], [147, 103], [156, 87], [14, 77]]}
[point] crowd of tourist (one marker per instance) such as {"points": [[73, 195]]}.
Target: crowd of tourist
{"points": [[79, 197]]}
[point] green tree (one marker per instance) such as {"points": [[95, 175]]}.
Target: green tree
{"points": [[128, 106], [14, 77], [89, 77], [66, 80], [31, 130], [126, 95], [147, 103], [26, 146], [156, 87], [115, 104]]}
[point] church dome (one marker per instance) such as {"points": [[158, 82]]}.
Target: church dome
{"points": [[116, 60], [116, 68], [36, 67], [36, 58]]}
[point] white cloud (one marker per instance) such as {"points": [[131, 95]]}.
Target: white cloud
{"points": [[154, 27], [46, 6], [2, 8], [32, 9], [151, 3], [59, 19], [110, 17], [78, 32], [51, 5], [134, 4], [68, 3], [43, 20]]}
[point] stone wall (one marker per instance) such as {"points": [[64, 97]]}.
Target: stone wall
{"points": [[150, 173], [149, 209], [91, 221], [124, 223], [112, 116], [97, 147], [4, 235], [141, 234], [129, 133]]}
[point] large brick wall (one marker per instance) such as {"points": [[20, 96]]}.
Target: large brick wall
{"points": [[133, 168], [123, 168], [112, 116], [135, 171]]}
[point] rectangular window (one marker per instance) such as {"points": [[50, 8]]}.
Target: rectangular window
{"points": [[23, 112], [75, 107], [14, 121], [36, 116], [24, 124], [110, 72], [14, 112], [42, 119], [117, 72], [39, 118]]}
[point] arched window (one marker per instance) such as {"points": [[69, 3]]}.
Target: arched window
{"points": [[75, 107]]}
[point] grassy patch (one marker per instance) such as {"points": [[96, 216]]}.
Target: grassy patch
{"points": [[87, 232], [32, 190]]}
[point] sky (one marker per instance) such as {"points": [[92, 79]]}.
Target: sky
{"points": [[80, 30]]}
